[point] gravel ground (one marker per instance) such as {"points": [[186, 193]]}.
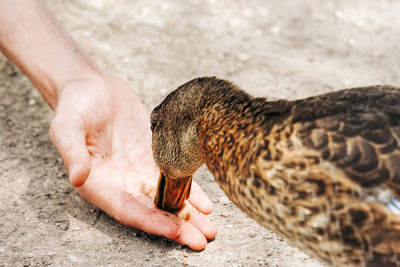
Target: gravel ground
{"points": [[277, 48]]}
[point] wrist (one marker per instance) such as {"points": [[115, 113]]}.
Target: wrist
{"points": [[32, 39], [73, 67], [88, 88]]}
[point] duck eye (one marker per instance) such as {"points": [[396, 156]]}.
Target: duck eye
{"points": [[153, 125], [153, 120], [154, 117]]}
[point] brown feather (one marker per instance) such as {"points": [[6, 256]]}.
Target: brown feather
{"points": [[318, 171]]}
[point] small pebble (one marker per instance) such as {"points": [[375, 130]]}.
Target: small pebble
{"points": [[164, 6], [247, 12], [87, 33], [145, 10], [235, 22], [275, 29], [73, 258], [338, 14], [32, 102], [352, 42], [360, 23], [28, 145], [264, 11], [258, 33], [243, 57]]}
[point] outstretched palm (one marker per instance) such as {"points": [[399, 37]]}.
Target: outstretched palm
{"points": [[102, 132]]}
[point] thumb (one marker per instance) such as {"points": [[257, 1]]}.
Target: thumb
{"points": [[67, 133]]}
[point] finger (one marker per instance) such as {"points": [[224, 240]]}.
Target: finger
{"points": [[137, 213], [191, 236], [195, 234], [199, 220], [189, 214], [68, 135], [200, 200], [142, 214]]}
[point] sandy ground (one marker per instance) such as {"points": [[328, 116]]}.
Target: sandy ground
{"points": [[276, 48]]}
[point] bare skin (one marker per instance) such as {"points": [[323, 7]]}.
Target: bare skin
{"points": [[100, 127]]}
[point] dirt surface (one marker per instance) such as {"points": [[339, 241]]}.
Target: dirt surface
{"points": [[276, 48]]}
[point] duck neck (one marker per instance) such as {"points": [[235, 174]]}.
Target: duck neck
{"points": [[226, 129]]}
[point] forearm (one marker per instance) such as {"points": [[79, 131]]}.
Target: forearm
{"points": [[32, 39]]}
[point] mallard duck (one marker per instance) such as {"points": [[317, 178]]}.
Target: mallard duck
{"points": [[323, 172]]}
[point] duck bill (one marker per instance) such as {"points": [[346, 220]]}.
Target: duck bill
{"points": [[172, 192]]}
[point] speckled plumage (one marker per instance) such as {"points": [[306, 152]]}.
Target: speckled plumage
{"points": [[318, 171]]}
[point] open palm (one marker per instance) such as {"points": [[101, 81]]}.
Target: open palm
{"points": [[102, 132]]}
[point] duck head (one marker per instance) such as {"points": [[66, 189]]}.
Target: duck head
{"points": [[175, 145]]}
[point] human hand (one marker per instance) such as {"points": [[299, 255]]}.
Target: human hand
{"points": [[100, 128], [102, 132]]}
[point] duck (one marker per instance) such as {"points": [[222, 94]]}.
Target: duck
{"points": [[322, 172]]}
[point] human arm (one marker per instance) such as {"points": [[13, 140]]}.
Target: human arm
{"points": [[31, 38], [100, 127]]}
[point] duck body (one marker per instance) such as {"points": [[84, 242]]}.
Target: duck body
{"points": [[319, 171]]}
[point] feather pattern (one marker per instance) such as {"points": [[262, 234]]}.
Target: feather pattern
{"points": [[319, 171]]}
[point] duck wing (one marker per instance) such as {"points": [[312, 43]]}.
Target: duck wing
{"points": [[357, 130]]}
